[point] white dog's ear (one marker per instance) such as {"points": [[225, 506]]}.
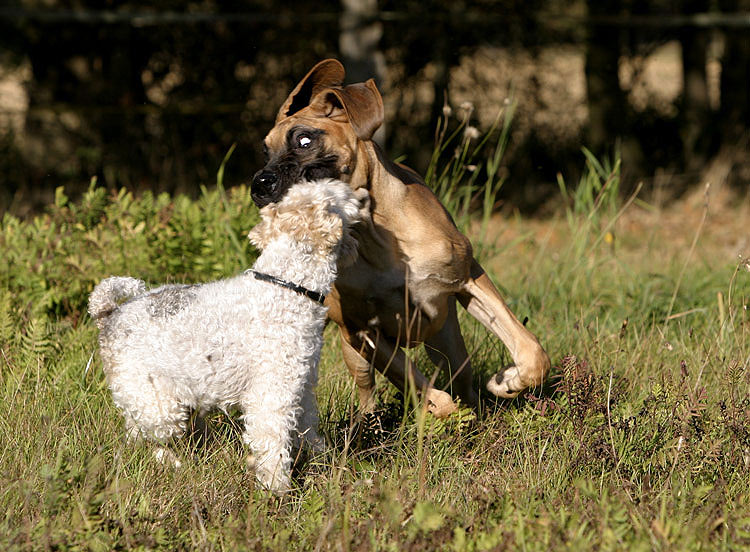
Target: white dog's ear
{"points": [[262, 232], [255, 236], [304, 223], [330, 232]]}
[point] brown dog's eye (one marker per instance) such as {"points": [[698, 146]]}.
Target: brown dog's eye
{"points": [[303, 141]]}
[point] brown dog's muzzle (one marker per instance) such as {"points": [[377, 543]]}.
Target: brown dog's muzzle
{"points": [[272, 182]]}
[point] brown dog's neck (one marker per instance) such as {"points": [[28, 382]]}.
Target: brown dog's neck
{"points": [[401, 172], [373, 165]]}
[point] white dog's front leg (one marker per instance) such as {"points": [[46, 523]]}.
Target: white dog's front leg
{"points": [[268, 435]]}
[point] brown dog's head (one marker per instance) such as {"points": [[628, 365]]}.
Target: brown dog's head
{"points": [[317, 131]]}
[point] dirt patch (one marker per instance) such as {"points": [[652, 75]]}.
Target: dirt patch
{"points": [[723, 237]]}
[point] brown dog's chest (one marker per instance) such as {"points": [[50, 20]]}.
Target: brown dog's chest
{"points": [[412, 260], [388, 300]]}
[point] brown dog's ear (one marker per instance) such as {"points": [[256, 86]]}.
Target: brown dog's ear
{"points": [[363, 105], [328, 73], [360, 104], [322, 89]]}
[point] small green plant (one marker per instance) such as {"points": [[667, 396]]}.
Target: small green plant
{"points": [[597, 196], [53, 261]]}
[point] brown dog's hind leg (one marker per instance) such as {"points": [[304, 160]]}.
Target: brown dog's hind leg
{"points": [[363, 373], [447, 351], [391, 361], [482, 300], [393, 364]]}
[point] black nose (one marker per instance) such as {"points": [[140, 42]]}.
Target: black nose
{"points": [[265, 182], [265, 187]]}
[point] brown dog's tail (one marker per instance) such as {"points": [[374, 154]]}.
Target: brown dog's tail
{"points": [[108, 293]]}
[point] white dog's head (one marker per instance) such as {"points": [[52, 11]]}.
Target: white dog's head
{"points": [[319, 214]]}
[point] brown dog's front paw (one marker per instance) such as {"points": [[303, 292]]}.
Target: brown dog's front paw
{"points": [[530, 371], [506, 384], [439, 403]]}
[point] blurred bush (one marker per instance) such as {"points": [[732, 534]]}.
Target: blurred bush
{"points": [[52, 262]]}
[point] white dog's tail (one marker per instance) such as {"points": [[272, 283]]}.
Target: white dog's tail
{"points": [[108, 293]]}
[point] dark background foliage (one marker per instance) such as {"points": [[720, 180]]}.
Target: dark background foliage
{"points": [[151, 95]]}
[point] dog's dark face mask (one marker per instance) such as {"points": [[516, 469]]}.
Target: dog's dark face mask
{"points": [[301, 154]]}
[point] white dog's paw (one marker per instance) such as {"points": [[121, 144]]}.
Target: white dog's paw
{"points": [[272, 477], [506, 384], [167, 457]]}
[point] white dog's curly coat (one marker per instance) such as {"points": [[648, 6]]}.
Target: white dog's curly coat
{"points": [[239, 342]]}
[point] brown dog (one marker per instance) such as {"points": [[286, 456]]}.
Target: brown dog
{"points": [[413, 262]]}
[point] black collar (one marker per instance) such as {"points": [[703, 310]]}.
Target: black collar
{"points": [[314, 295]]}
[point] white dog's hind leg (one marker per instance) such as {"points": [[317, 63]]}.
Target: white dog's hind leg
{"points": [[165, 456], [162, 454], [151, 412]]}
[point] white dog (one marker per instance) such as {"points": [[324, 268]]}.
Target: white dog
{"points": [[252, 341]]}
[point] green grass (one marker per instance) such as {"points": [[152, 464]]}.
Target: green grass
{"points": [[640, 441]]}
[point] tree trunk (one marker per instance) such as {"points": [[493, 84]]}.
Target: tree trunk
{"points": [[735, 75], [695, 119], [605, 97], [358, 43]]}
